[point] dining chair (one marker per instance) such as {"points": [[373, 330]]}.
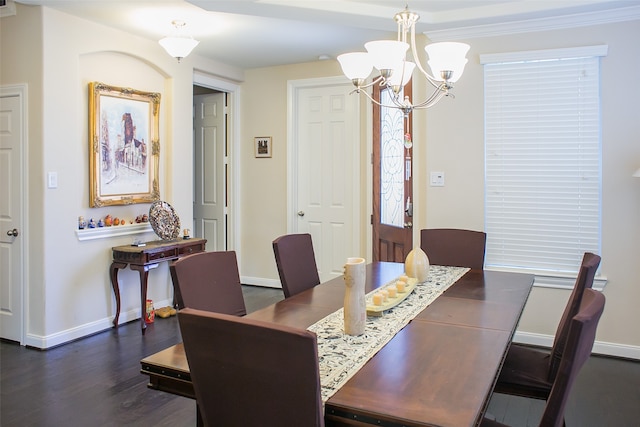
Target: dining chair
{"points": [[208, 281], [454, 247], [296, 263], [251, 373], [580, 339], [529, 371]]}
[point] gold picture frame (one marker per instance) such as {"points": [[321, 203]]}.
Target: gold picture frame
{"points": [[262, 146], [124, 145]]}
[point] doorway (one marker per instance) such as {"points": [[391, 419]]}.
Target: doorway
{"points": [[13, 173], [210, 154], [206, 84], [324, 159], [392, 219]]}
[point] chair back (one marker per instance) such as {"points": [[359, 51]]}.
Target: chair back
{"points": [[251, 373], [296, 263], [580, 339], [454, 247], [209, 281], [590, 263]]}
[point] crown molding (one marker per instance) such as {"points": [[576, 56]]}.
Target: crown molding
{"points": [[533, 25]]}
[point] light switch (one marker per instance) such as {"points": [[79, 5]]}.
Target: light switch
{"points": [[52, 180], [437, 179]]}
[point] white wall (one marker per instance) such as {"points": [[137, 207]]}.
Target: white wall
{"points": [[455, 146]]}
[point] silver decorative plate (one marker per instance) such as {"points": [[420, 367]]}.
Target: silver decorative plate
{"points": [[164, 221]]}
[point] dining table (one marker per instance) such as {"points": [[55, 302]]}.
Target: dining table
{"points": [[438, 369]]}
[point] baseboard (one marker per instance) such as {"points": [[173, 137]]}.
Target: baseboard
{"points": [[599, 347], [260, 281], [63, 337]]}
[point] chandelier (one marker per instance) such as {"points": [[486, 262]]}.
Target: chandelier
{"points": [[446, 61], [180, 44]]}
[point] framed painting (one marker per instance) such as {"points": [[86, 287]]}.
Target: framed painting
{"points": [[124, 147], [262, 146]]}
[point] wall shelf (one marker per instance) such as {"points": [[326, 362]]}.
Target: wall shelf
{"points": [[113, 231]]}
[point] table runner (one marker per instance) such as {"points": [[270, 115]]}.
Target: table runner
{"points": [[341, 356]]}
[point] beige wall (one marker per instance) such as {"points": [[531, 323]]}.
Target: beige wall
{"points": [[455, 146], [263, 202], [21, 47], [68, 290]]}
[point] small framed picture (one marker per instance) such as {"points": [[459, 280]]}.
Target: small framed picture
{"points": [[263, 146]]}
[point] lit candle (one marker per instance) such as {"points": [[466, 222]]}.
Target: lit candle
{"points": [[385, 295], [392, 291], [404, 278], [377, 299], [400, 284]]}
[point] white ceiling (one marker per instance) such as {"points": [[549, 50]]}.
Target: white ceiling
{"points": [[258, 33]]}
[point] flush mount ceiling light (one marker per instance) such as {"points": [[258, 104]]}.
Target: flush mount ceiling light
{"points": [[446, 60], [179, 44]]}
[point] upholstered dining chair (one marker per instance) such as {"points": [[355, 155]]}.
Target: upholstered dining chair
{"points": [[529, 371], [296, 263], [209, 281], [580, 339], [251, 373], [454, 247]]}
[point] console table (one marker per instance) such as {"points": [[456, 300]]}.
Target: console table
{"points": [[145, 258]]}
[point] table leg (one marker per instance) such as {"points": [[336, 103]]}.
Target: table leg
{"points": [[144, 276], [113, 273]]}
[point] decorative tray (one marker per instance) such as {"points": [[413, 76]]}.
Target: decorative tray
{"points": [[164, 221], [390, 302]]}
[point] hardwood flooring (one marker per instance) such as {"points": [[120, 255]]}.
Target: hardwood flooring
{"points": [[96, 381]]}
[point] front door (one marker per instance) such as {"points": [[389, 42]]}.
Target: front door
{"points": [[12, 140], [209, 154], [392, 180], [326, 174]]}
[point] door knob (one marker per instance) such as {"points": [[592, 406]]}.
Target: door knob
{"points": [[13, 232], [300, 213], [408, 225]]}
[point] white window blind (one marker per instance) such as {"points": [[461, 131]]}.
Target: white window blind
{"points": [[542, 160]]}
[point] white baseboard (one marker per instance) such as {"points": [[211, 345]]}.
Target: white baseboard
{"points": [[260, 281], [599, 347], [63, 337]]}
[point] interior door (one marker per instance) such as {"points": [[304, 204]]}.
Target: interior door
{"points": [[326, 175], [11, 214], [209, 154], [392, 180]]}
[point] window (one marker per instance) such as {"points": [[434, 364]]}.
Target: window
{"points": [[542, 159]]}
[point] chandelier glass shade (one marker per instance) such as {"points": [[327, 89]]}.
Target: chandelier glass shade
{"points": [[179, 45], [446, 62]]}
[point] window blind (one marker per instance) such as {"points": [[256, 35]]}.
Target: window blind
{"points": [[542, 162]]}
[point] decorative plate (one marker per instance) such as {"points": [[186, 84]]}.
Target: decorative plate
{"points": [[164, 221]]}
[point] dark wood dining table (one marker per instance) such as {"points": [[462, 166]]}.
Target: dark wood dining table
{"points": [[439, 370]]}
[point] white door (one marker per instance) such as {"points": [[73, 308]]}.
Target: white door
{"points": [[209, 159], [12, 140], [325, 171]]}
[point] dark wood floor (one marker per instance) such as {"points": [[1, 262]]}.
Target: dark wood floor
{"points": [[96, 381]]}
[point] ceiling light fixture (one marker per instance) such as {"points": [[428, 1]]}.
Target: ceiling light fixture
{"points": [[180, 44], [446, 60]]}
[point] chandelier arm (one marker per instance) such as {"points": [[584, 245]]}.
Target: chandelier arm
{"points": [[434, 82], [396, 105], [368, 85], [434, 98]]}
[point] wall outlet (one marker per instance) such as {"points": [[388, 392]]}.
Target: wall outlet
{"points": [[437, 179]]}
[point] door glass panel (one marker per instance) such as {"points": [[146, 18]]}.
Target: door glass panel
{"points": [[391, 163]]}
